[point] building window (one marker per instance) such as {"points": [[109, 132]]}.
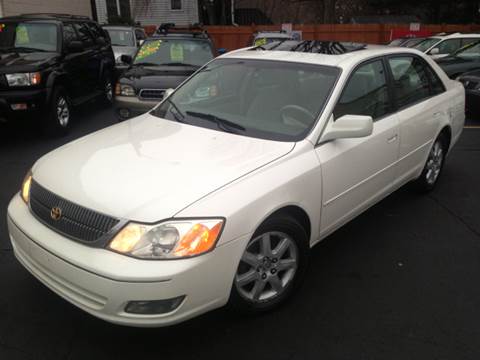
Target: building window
{"points": [[176, 4]]}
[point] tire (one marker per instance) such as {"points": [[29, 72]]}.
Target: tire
{"points": [[434, 165], [107, 90], [59, 116], [264, 279]]}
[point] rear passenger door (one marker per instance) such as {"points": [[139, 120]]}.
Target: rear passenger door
{"points": [[421, 101], [358, 172]]}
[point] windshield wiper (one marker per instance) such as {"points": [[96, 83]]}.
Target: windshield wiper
{"points": [[222, 124], [145, 64], [178, 64], [26, 48]]}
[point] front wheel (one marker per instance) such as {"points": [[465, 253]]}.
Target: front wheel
{"points": [[59, 117], [434, 165], [272, 265]]}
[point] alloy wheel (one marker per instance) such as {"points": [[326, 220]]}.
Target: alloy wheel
{"points": [[63, 112], [267, 267], [434, 163]]}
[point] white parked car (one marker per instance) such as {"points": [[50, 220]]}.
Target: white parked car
{"points": [[443, 45], [217, 195]]}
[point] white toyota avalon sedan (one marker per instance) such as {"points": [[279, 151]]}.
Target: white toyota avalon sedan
{"points": [[217, 195]]}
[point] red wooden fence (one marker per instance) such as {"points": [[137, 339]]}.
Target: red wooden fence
{"points": [[232, 37]]}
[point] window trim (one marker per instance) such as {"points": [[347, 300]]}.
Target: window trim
{"points": [[388, 81], [431, 95]]}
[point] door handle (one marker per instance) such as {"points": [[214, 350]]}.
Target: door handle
{"points": [[392, 139], [437, 114]]}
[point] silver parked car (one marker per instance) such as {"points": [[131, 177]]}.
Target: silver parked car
{"points": [[125, 41]]}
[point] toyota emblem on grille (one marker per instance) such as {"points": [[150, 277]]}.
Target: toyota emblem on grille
{"points": [[56, 213]]}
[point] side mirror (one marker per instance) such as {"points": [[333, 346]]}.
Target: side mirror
{"points": [[435, 51], [75, 46], [221, 51], [140, 42], [348, 126], [126, 59], [168, 92]]}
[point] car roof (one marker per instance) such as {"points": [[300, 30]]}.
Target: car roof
{"points": [[181, 35], [47, 16], [121, 27], [273, 34], [454, 35], [345, 59]]}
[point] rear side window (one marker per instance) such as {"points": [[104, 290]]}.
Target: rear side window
{"points": [[96, 30], [366, 92], [410, 80], [436, 85], [84, 34]]}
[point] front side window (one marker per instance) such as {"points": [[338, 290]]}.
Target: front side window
{"points": [[84, 34], [69, 34], [174, 52], [366, 92], [265, 99], [140, 35], [121, 37], [28, 36], [410, 80], [426, 44], [449, 46]]}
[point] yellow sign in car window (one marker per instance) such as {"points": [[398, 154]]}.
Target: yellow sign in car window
{"points": [[176, 53], [22, 35], [148, 49], [260, 41]]}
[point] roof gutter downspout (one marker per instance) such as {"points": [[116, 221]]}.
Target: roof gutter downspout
{"points": [[232, 10]]}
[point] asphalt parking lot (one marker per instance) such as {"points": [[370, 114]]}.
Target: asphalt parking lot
{"points": [[399, 282]]}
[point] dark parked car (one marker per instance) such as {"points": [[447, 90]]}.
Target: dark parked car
{"points": [[164, 61], [464, 60], [49, 63], [471, 82]]}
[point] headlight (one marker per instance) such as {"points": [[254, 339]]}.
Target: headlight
{"points": [[23, 79], [27, 182], [125, 90], [169, 240]]}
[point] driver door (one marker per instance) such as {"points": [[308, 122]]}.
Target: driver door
{"points": [[358, 172]]}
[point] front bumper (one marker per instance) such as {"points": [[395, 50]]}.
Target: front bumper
{"points": [[133, 105], [102, 282], [35, 99]]}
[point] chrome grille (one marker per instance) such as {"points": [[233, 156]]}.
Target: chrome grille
{"points": [[76, 222], [152, 94]]}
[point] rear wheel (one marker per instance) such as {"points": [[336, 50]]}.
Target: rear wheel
{"points": [[272, 265], [434, 165]]}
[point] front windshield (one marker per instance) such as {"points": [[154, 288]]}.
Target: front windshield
{"points": [[265, 99], [28, 36], [174, 52], [426, 44], [470, 51], [121, 37]]}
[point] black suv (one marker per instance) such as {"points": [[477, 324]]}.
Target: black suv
{"points": [[51, 62], [163, 62]]}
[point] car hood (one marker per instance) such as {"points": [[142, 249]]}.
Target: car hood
{"points": [[124, 50], [161, 77], [148, 169], [14, 61]]}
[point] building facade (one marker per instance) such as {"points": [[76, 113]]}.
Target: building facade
{"points": [[148, 12], [16, 7]]}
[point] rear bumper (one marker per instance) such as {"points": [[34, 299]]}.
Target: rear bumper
{"points": [[102, 282], [133, 105], [35, 100]]}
